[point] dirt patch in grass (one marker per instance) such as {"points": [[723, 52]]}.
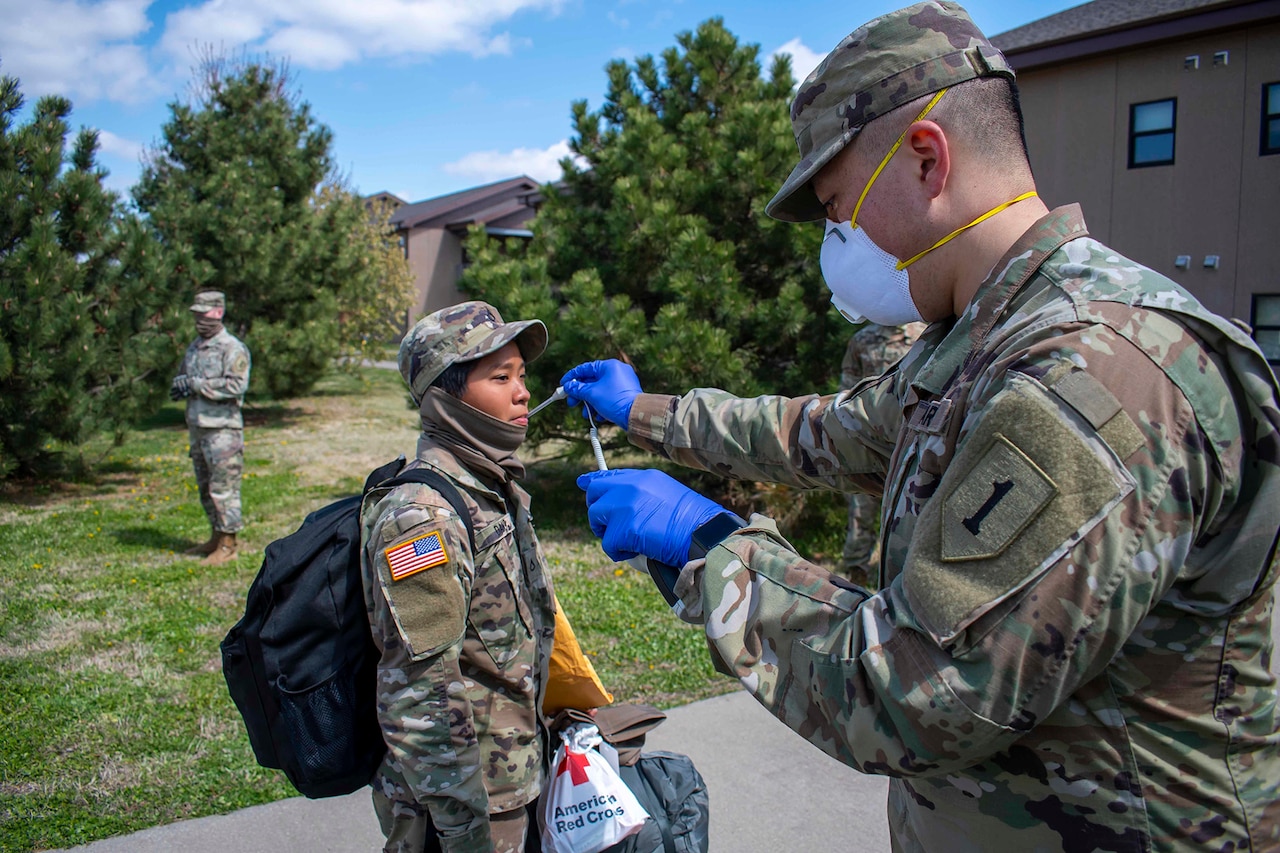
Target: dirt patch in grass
{"points": [[125, 659], [329, 451], [217, 728], [58, 633], [334, 437], [112, 774], [228, 597]]}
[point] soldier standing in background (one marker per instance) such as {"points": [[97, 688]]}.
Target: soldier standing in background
{"points": [[213, 381], [872, 350]]}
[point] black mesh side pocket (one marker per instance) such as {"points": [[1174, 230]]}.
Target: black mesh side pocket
{"points": [[336, 744]]}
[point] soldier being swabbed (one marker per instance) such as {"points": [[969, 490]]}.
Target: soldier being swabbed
{"points": [[213, 380], [1071, 644], [464, 635]]}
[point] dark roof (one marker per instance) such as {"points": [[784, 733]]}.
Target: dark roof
{"points": [[478, 204], [1107, 26], [391, 198], [1097, 17], [506, 213]]}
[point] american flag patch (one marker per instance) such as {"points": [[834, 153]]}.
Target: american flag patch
{"points": [[416, 555]]}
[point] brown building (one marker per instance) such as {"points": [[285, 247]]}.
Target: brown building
{"points": [[1162, 118], [432, 232]]}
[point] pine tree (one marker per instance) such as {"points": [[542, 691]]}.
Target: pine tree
{"points": [[378, 290], [234, 184], [87, 321], [656, 248]]}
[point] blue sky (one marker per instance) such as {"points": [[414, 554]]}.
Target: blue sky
{"points": [[424, 97]]}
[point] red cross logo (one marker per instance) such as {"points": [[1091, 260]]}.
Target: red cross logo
{"points": [[576, 763]]}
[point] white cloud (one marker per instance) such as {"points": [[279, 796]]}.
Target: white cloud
{"points": [[330, 33], [116, 146], [539, 164], [803, 60], [78, 49], [312, 48]]}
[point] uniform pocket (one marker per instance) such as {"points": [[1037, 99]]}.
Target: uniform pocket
{"points": [[497, 615]]}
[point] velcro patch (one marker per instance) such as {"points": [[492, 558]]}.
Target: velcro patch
{"points": [[429, 607], [1030, 480], [416, 555], [1096, 404], [1088, 396], [998, 498]]}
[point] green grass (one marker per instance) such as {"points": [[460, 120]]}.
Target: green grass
{"points": [[114, 715]]}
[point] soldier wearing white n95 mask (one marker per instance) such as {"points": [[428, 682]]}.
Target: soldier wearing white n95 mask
{"points": [[1071, 642]]}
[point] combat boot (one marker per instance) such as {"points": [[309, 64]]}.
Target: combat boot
{"points": [[204, 548], [224, 551]]}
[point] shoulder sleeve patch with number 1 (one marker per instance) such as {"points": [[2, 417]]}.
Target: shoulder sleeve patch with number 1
{"points": [[416, 555], [1003, 494]]}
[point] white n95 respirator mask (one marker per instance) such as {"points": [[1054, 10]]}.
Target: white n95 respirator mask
{"points": [[866, 282]]}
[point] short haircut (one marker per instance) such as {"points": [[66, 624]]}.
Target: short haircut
{"points": [[453, 381], [983, 114]]}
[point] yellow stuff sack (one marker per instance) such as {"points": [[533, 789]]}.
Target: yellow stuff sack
{"points": [[571, 679]]}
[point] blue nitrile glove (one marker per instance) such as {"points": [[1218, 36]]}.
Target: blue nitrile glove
{"points": [[609, 387], [645, 512]]}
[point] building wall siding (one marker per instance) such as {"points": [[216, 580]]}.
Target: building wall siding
{"points": [[1259, 237], [1218, 198], [435, 256]]}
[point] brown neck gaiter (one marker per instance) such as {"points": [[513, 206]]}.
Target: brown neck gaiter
{"points": [[483, 443]]}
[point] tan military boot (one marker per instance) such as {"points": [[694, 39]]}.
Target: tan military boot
{"points": [[224, 551], [204, 548]]}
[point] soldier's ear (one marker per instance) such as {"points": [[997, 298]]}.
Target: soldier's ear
{"points": [[927, 144]]}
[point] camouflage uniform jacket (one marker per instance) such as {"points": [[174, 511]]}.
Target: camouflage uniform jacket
{"points": [[873, 349], [218, 369], [1072, 645], [464, 646]]}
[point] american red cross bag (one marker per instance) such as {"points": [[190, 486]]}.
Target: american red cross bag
{"points": [[586, 807]]}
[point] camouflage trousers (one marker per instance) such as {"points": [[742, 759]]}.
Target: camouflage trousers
{"points": [[861, 556], [218, 458], [408, 828]]}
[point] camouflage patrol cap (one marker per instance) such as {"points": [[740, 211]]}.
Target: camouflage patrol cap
{"points": [[209, 300], [462, 333], [880, 66]]}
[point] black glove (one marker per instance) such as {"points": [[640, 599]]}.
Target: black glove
{"points": [[181, 387]]}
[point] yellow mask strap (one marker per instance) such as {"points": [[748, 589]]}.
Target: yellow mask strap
{"points": [[853, 220], [902, 265]]}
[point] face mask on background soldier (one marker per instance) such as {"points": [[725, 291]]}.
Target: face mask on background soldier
{"points": [[209, 323]]}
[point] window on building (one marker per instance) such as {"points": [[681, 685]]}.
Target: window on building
{"points": [[1266, 325], [1270, 119], [1151, 130]]}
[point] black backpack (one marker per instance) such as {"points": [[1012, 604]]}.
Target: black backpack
{"points": [[674, 794], [301, 664]]}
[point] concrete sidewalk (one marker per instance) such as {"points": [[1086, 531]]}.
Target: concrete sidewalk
{"points": [[769, 790]]}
